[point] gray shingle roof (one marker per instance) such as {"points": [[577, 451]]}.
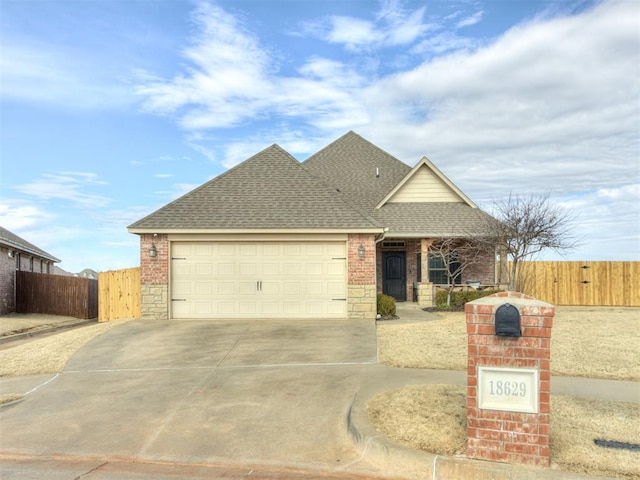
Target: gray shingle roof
{"points": [[271, 190], [14, 242], [336, 188], [349, 164], [432, 219]]}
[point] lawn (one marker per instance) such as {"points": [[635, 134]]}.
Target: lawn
{"points": [[46, 355], [596, 342]]}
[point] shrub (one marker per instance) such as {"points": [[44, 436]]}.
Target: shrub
{"points": [[458, 299], [386, 305]]}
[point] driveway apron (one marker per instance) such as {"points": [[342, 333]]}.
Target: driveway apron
{"points": [[251, 392]]}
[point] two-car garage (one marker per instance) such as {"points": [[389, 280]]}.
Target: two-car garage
{"points": [[258, 279]]}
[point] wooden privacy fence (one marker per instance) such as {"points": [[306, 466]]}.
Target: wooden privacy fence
{"points": [[56, 295], [583, 283], [119, 294]]}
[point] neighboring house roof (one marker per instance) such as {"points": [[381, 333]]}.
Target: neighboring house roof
{"points": [[14, 242], [349, 185], [270, 190]]}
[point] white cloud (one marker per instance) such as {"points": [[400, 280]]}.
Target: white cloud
{"points": [[18, 215], [549, 105], [393, 26], [73, 187], [58, 76], [468, 21]]}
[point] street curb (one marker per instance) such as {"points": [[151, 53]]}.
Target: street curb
{"points": [[417, 465], [37, 332]]}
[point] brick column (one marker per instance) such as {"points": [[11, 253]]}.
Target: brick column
{"points": [[509, 434], [361, 292], [154, 277]]}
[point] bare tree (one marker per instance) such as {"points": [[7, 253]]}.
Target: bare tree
{"points": [[457, 254], [526, 227]]}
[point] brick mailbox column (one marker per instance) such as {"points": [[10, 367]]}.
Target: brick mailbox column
{"points": [[508, 381]]}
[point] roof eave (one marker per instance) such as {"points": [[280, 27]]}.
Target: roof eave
{"points": [[214, 231]]}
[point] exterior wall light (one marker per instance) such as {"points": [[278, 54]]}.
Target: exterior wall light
{"points": [[361, 251], [10, 253], [153, 251]]}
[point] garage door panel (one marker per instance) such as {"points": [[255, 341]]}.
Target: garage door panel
{"points": [[227, 269], [203, 288], [292, 288], [313, 269], [314, 288], [204, 270], [291, 269], [335, 269], [336, 308], [271, 269], [258, 279], [336, 289], [227, 288], [247, 288]]}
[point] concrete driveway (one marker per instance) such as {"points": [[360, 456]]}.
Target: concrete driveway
{"points": [[209, 392]]}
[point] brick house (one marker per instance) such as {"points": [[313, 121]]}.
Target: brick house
{"points": [[18, 254], [276, 238]]}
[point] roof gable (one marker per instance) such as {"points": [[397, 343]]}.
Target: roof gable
{"points": [[425, 183], [270, 190]]}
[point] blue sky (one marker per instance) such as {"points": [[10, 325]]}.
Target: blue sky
{"points": [[111, 109]]}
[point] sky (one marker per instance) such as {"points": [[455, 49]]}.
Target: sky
{"points": [[111, 109]]}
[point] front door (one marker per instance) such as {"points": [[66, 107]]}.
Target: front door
{"points": [[394, 281]]}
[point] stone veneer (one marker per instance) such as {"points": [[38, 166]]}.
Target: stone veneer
{"points": [[426, 294]]}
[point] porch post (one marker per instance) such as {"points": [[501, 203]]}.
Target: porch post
{"points": [[425, 289]]}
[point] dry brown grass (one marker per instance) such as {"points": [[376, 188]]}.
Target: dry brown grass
{"points": [[49, 354], [9, 397], [596, 342], [425, 417], [432, 418]]}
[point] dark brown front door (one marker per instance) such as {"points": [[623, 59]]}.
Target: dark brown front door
{"points": [[394, 278]]}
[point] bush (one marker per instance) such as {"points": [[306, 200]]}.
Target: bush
{"points": [[458, 299], [386, 305]]}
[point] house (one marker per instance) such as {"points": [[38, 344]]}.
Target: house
{"points": [[276, 238], [18, 254]]}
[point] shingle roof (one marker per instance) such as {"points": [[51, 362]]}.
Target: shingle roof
{"points": [[350, 163], [432, 219], [271, 190], [336, 188], [13, 241]]}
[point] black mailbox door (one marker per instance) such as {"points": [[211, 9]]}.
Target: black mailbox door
{"points": [[507, 321]]}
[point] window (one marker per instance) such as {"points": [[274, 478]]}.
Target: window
{"points": [[18, 262], [393, 244], [438, 271]]}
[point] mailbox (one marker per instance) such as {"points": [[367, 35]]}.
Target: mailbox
{"points": [[507, 318]]}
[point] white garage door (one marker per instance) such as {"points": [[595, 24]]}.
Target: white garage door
{"points": [[258, 280]]}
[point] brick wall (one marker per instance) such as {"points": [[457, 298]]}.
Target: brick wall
{"points": [[7, 282], [154, 277], [484, 271], [361, 277], [507, 436]]}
